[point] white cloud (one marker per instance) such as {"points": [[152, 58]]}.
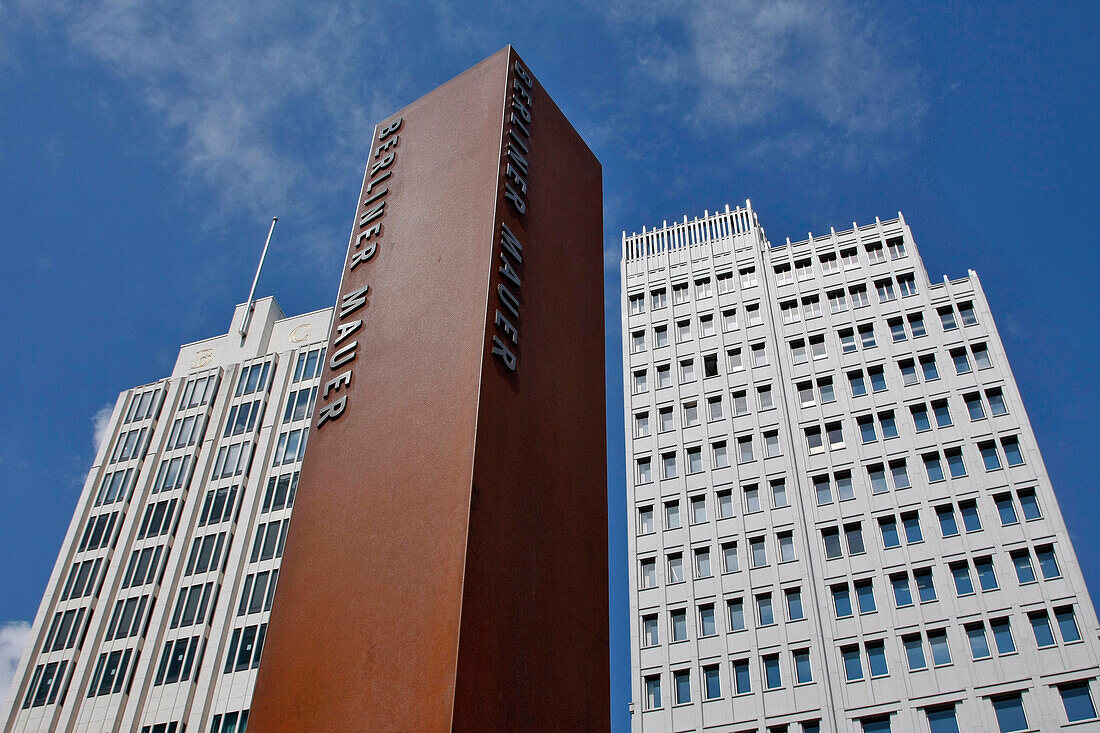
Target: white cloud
{"points": [[100, 422], [800, 78], [268, 106], [13, 637]]}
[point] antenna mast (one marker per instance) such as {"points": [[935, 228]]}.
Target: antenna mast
{"points": [[248, 308]]}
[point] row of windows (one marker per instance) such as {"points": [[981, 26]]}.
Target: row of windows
{"points": [[199, 391], [218, 506], [192, 603], [706, 625], [757, 555], [126, 619], [243, 418], [98, 532], [245, 647], [291, 447], [186, 431], [45, 685], [308, 365], [235, 722], [64, 630], [270, 539], [114, 486], [741, 679], [110, 672], [130, 444], [172, 474], [232, 460], [280, 492], [258, 592], [158, 519], [206, 552], [299, 405], [178, 660], [253, 379], [82, 578], [143, 566], [752, 502], [142, 406]]}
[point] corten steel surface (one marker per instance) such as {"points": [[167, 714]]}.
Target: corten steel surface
{"points": [[446, 568]]}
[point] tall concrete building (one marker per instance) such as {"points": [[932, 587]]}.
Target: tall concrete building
{"points": [[155, 614], [839, 516]]}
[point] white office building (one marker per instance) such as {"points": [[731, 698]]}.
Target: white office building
{"points": [[839, 516], [154, 617]]}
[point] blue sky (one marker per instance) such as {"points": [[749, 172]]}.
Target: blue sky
{"points": [[143, 151]]}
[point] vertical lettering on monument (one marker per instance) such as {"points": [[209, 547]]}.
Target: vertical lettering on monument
{"points": [[515, 171], [367, 237]]}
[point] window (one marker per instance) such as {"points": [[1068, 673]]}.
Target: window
{"points": [[679, 293], [682, 686], [853, 666], [721, 458], [725, 282], [867, 336], [764, 396], [876, 659], [660, 336], [702, 563], [668, 465], [1009, 710], [812, 306], [678, 625], [748, 277], [942, 720], [650, 634], [849, 258], [979, 644], [645, 475], [653, 692], [640, 381], [987, 576], [911, 521], [765, 615], [736, 612], [941, 652], [665, 419], [658, 299], [707, 627], [859, 296], [691, 414], [1002, 635], [897, 329], [897, 251], [804, 269], [771, 444], [838, 303], [835, 435], [1013, 455], [729, 319], [875, 253], [981, 356], [813, 440], [1077, 701], [752, 498], [974, 406], [990, 457], [865, 596], [928, 367], [1029, 504], [964, 584], [847, 340], [729, 557], [914, 652], [725, 504], [933, 467], [646, 525], [712, 684], [831, 538], [794, 604], [741, 680], [802, 671], [1021, 561], [903, 594], [759, 552], [784, 275], [752, 314], [649, 573], [702, 288], [108, 678], [786, 546], [885, 290], [798, 352], [926, 591], [907, 284], [744, 449], [920, 418], [996, 401], [637, 342], [916, 324], [867, 429], [971, 520], [829, 263], [1067, 624], [683, 331], [772, 677], [947, 318], [825, 387], [900, 474], [706, 325], [888, 528], [842, 601], [676, 568], [789, 311], [908, 372], [1048, 563], [672, 515], [641, 424], [759, 355], [177, 660], [948, 526]]}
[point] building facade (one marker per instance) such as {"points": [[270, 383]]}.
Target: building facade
{"points": [[155, 614], [839, 516]]}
